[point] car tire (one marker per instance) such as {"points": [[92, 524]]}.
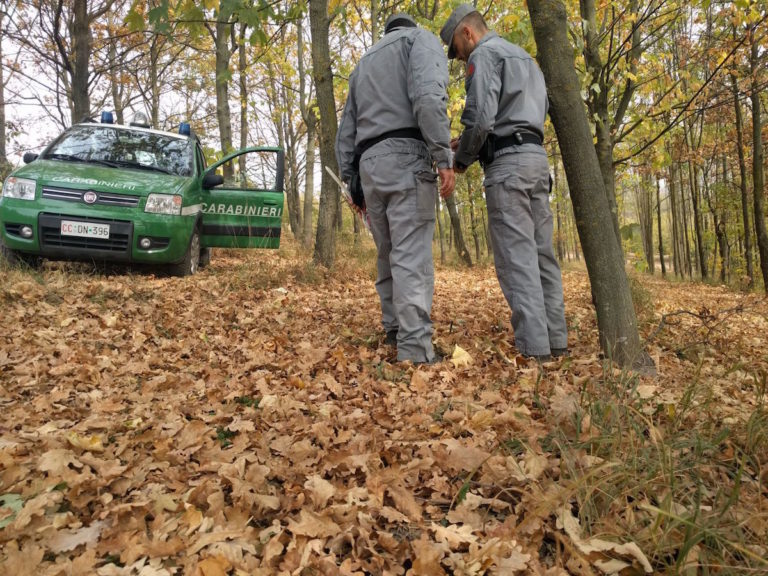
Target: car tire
{"points": [[191, 261], [19, 259], [205, 257]]}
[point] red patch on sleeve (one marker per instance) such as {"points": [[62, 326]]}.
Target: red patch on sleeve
{"points": [[471, 69]]}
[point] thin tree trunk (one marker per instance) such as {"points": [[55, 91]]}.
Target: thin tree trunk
{"points": [[684, 213], [116, 87], [701, 253], [3, 154], [743, 185], [325, 244], [223, 53], [757, 161], [310, 120], [461, 247], [473, 220], [617, 324], [242, 69], [309, 179], [81, 44], [439, 229], [487, 234], [658, 219]]}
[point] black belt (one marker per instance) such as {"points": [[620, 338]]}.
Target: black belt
{"points": [[413, 133], [495, 143], [517, 139]]}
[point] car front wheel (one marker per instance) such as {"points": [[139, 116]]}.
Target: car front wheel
{"points": [[191, 261]]}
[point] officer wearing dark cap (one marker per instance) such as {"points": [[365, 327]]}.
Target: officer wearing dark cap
{"points": [[394, 129], [506, 106]]}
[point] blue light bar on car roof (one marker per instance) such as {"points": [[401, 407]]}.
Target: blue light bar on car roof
{"points": [[185, 129], [107, 118]]}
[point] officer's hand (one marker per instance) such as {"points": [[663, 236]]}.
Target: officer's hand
{"points": [[455, 143], [447, 181]]}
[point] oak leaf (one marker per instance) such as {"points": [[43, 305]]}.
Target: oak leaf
{"points": [[313, 525]]}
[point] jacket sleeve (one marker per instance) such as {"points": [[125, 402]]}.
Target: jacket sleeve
{"points": [[483, 86], [427, 91], [345, 137]]}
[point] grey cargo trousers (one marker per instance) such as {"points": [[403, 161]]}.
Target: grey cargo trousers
{"points": [[400, 191], [520, 223]]}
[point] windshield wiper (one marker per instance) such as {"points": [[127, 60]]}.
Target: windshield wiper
{"points": [[73, 158], [67, 157], [139, 166]]}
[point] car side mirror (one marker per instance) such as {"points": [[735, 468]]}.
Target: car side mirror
{"points": [[211, 180], [29, 157]]}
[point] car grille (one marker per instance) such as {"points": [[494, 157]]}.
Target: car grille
{"points": [[119, 241], [102, 198]]}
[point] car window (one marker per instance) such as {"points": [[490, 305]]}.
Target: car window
{"points": [[126, 148], [255, 170]]}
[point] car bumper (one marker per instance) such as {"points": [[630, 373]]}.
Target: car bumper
{"points": [[168, 235]]}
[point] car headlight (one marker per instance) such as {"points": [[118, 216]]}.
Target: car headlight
{"points": [[20, 188], [163, 204]]}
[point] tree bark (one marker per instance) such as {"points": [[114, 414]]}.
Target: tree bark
{"points": [[439, 229], [223, 54], [617, 324], [242, 70], [743, 185], [458, 236], [310, 120], [309, 179], [658, 219], [473, 220], [3, 153], [325, 241], [758, 176], [81, 44]]}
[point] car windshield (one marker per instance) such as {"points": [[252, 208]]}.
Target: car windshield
{"points": [[123, 148]]}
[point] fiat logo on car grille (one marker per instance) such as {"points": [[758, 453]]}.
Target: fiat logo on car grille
{"points": [[90, 197]]}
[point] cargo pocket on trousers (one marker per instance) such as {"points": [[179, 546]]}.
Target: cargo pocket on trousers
{"points": [[426, 194]]}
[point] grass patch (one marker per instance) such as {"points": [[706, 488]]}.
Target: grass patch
{"points": [[669, 476]]}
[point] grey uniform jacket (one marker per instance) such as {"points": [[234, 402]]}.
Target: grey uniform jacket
{"points": [[505, 94], [400, 82]]}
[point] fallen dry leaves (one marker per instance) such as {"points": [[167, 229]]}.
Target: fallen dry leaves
{"points": [[250, 420]]}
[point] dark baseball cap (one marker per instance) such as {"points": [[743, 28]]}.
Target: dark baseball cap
{"points": [[448, 30], [399, 20]]}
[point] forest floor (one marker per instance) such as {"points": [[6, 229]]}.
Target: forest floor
{"points": [[250, 420]]}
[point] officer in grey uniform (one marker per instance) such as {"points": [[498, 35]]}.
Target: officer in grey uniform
{"points": [[396, 126], [503, 118]]}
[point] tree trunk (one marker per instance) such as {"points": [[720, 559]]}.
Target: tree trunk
{"points": [[458, 236], [473, 220], [3, 154], [684, 213], [757, 161], [658, 219], [439, 229], [617, 324], [309, 176], [116, 86], [223, 53], [598, 102], [310, 120], [81, 41], [242, 70], [743, 185], [701, 252], [325, 243]]}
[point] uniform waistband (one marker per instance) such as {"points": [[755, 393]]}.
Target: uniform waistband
{"points": [[413, 133]]}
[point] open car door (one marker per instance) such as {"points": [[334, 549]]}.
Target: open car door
{"points": [[246, 210]]}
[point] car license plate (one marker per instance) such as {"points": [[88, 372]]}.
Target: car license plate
{"points": [[84, 229]]}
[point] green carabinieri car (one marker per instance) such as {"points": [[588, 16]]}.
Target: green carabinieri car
{"points": [[111, 193]]}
